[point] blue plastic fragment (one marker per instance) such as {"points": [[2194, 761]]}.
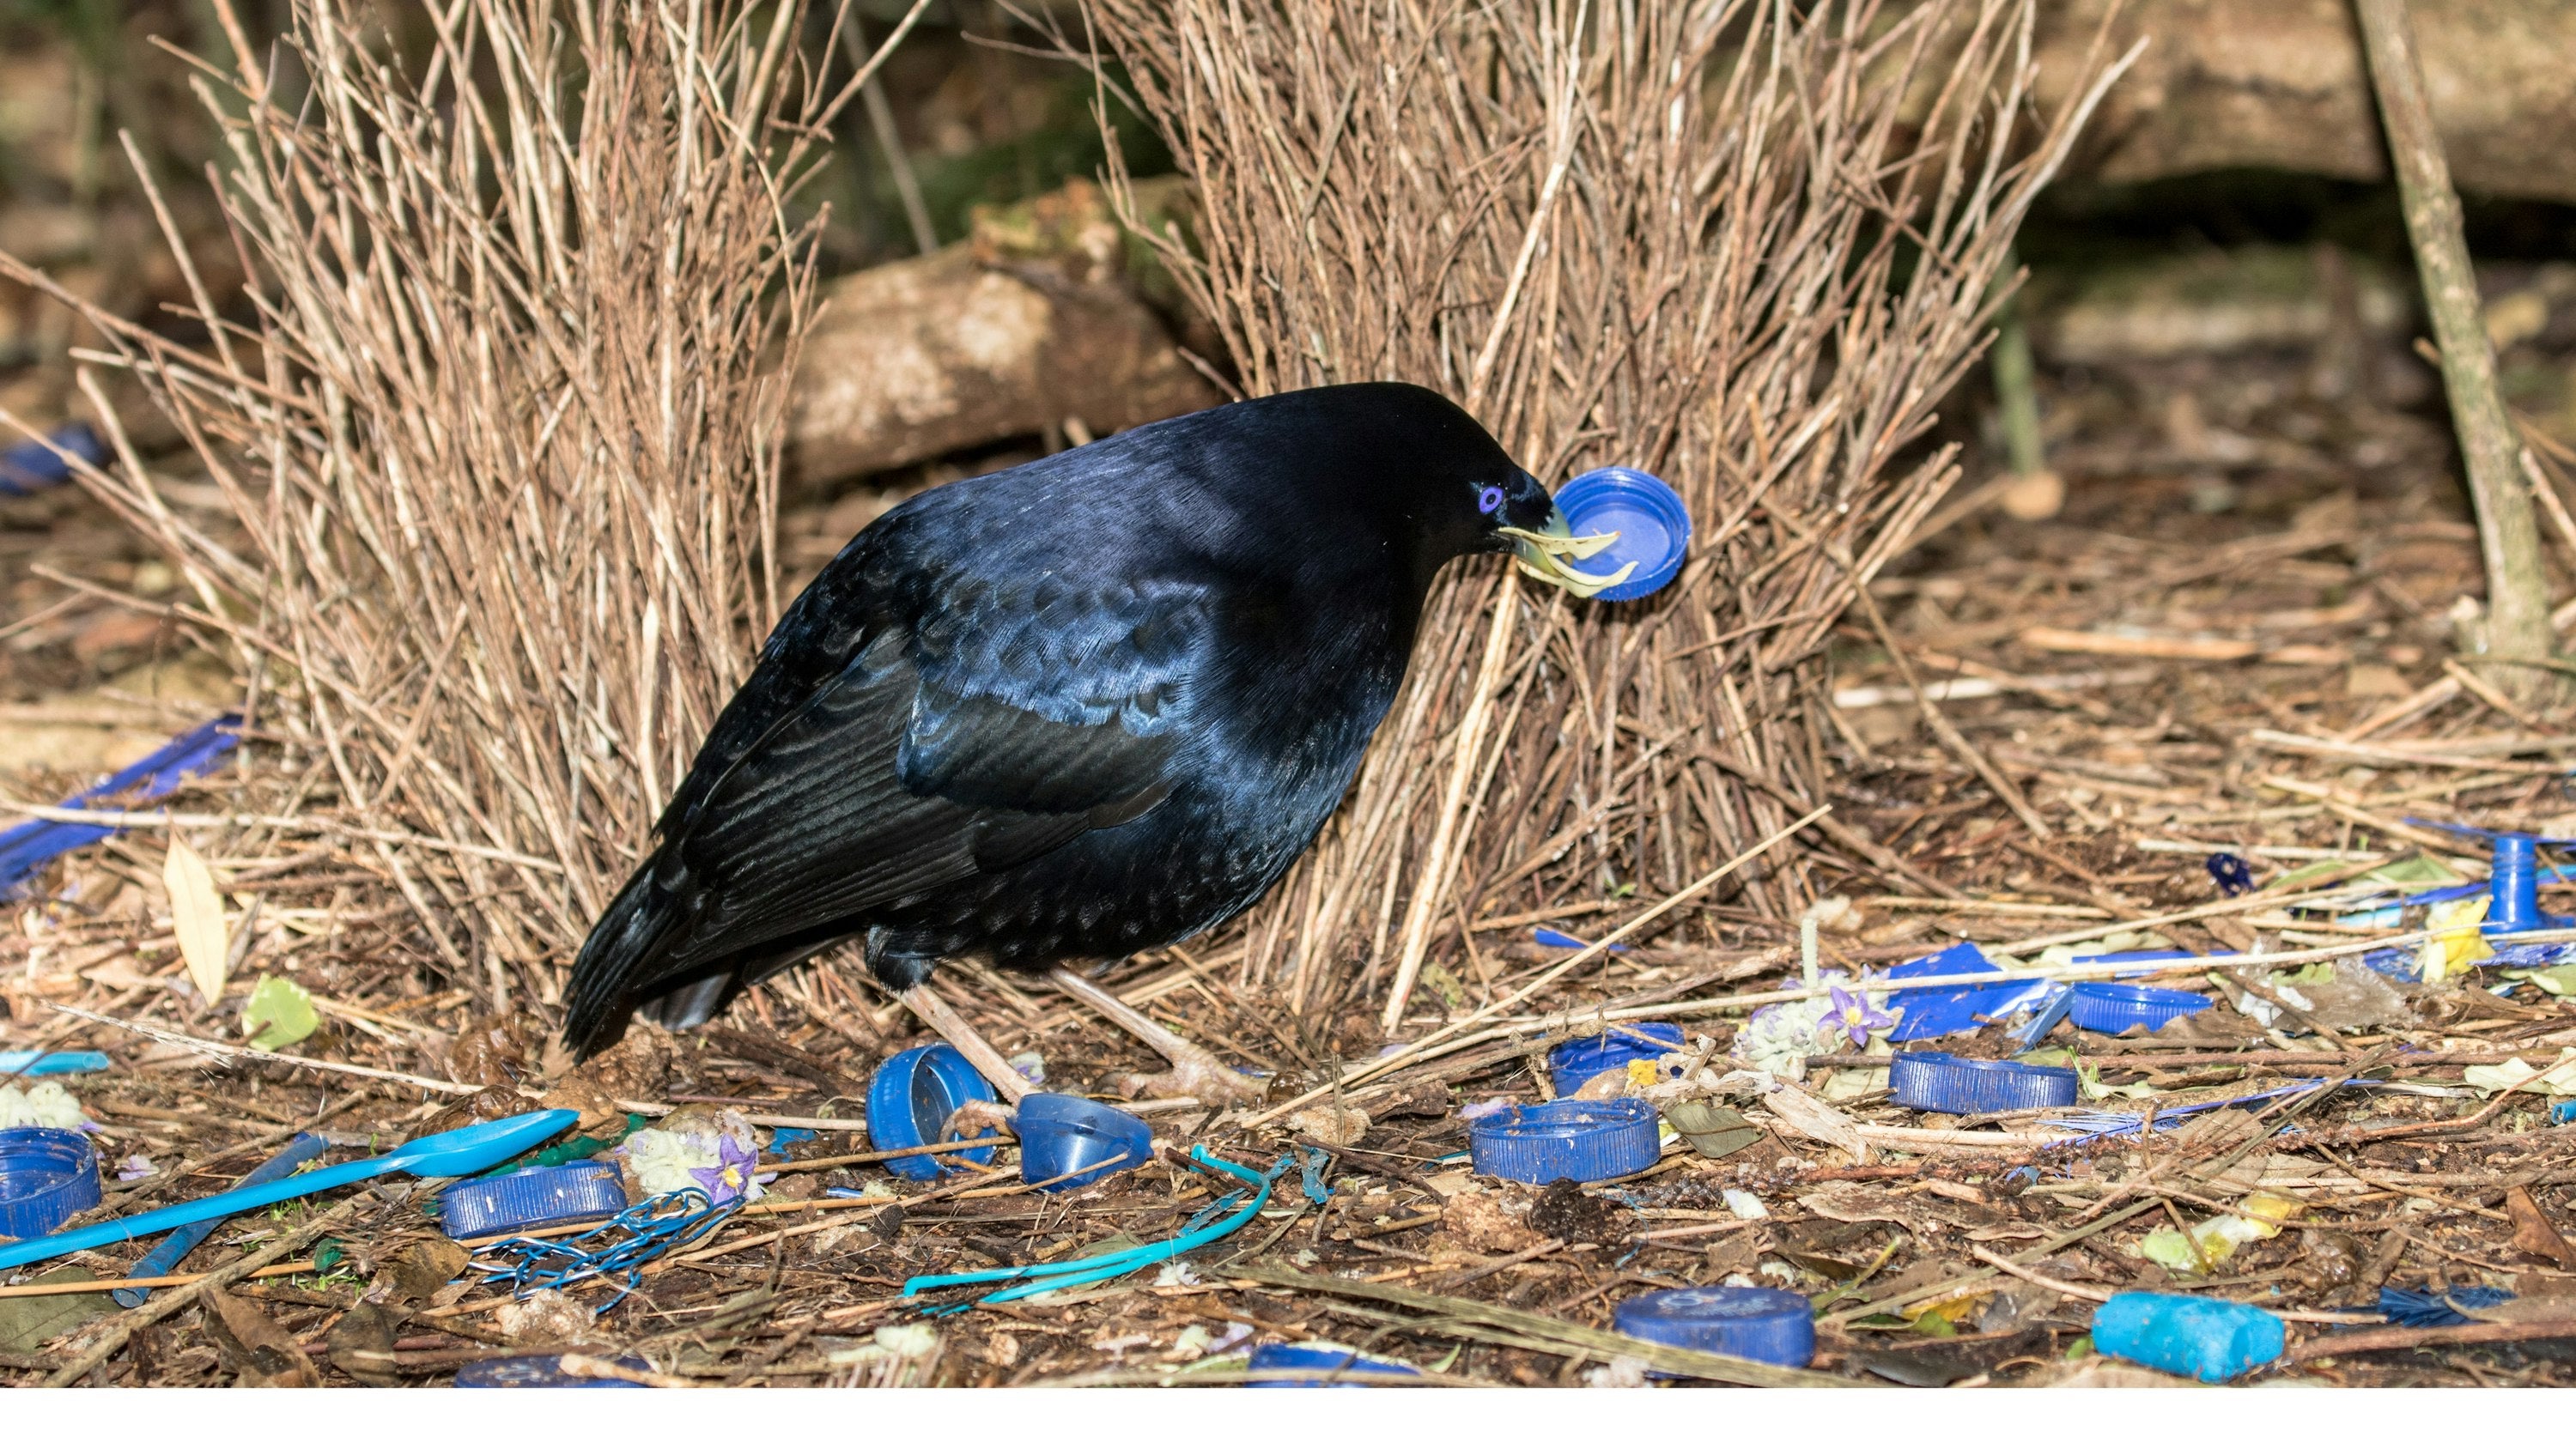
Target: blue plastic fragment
{"points": [[1311, 1162], [299, 1150], [2112, 1008], [1564, 942], [909, 1102], [2210, 1339], [2051, 1011], [1767, 1325], [1940, 1082], [1576, 1062], [2563, 1113], [25, 849], [1941, 1010], [1319, 1358], [1653, 525], [790, 1136], [2415, 1308], [31, 465], [51, 1064], [2233, 875], [1585, 1141], [541, 1371], [2402, 962]]}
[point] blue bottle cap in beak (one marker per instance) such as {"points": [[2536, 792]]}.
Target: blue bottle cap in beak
{"points": [[1653, 527]]}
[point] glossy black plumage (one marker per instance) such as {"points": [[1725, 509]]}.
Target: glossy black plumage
{"points": [[1093, 704]]}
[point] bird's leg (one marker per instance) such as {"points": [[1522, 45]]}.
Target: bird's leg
{"points": [[1195, 1071], [943, 1019]]}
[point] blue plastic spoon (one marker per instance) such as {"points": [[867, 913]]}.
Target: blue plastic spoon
{"points": [[461, 1153]]}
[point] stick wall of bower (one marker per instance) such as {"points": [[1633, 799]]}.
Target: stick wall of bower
{"points": [[1742, 245]]}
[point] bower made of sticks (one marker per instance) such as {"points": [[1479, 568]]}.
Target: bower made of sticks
{"points": [[1745, 246]]}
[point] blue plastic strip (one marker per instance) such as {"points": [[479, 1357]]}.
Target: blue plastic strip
{"points": [[303, 1148], [1562, 941], [51, 1064], [1198, 1232], [1941, 1011], [26, 849]]}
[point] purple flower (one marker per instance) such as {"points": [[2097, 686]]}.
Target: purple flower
{"points": [[135, 1168], [730, 1178], [1854, 1017]]}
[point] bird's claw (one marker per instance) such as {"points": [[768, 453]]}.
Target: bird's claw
{"points": [[1212, 1082], [974, 1119]]}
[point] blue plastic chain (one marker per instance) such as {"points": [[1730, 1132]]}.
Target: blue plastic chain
{"points": [[619, 1247], [1198, 1232]]}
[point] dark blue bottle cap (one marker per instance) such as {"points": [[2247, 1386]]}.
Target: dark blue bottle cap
{"points": [[1580, 1060], [1767, 1325], [46, 1175], [2112, 1009], [1586, 1141], [1940, 1082], [909, 1100], [540, 1371], [1062, 1135], [537, 1198], [1323, 1358], [1654, 528]]}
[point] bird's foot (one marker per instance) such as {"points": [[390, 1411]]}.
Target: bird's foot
{"points": [[974, 1119], [1199, 1075]]}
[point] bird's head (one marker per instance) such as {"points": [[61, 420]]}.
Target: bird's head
{"points": [[1518, 516]]}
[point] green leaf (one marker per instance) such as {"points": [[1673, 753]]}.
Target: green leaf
{"points": [[280, 1014]]}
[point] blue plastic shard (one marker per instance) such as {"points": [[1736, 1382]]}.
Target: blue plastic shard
{"points": [[2233, 875], [2415, 1308], [32, 465], [1562, 941], [2051, 1012], [1939, 1011], [26, 849]]}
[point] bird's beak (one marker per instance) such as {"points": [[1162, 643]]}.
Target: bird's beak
{"points": [[1543, 556]]}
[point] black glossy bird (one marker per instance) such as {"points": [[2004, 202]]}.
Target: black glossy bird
{"points": [[1083, 707]]}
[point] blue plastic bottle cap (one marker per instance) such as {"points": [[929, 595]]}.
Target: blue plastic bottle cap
{"points": [[1579, 1061], [1767, 1325], [540, 1371], [1940, 1082], [909, 1100], [1061, 1134], [1586, 1141], [1323, 1358], [46, 1175], [540, 1197], [1654, 528], [2210, 1339], [2112, 1009]]}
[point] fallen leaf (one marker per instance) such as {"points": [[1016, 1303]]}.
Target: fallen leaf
{"points": [[197, 915], [279, 1014], [2533, 1233], [421, 1267], [263, 1354], [366, 1330], [1809, 1118]]}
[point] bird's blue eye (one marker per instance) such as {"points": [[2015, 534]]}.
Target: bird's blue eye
{"points": [[1488, 499]]}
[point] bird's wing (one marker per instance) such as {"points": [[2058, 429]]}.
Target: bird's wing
{"points": [[990, 732]]}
